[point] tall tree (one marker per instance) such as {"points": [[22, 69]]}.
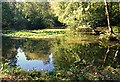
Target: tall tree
{"points": [[108, 17]]}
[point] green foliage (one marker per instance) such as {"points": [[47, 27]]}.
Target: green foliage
{"points": [[37, 14], [116, 29], [76, 73], [26, 15], [7, 15], [40, 15], [104, 36], [114, 13], [68, 12], [109, 37], [91, 14]]}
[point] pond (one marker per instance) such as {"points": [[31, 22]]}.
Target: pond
{"points": [[49, 54]]}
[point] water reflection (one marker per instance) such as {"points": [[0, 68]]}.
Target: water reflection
{"points": [[39, 65], [34, 49], [66, 55], [33, 54]]}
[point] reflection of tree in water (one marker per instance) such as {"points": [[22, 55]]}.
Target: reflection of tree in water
{"points": [[33, 48], [8, 48], [94, 53], [36, 49], [49, 60]]}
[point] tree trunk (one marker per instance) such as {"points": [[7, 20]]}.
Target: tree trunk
{"points": [[108, 17], [119, 5]]}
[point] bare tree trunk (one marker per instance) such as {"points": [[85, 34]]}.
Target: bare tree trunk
{"points": [[119, 5], [108, 17]]}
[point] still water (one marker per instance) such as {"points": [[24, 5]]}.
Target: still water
{"points": [[39, 65], [44, 54]]}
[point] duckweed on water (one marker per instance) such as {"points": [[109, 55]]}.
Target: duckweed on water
{"points": [[34, 33]]}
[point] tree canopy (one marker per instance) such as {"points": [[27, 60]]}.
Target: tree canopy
{"points": [[40, 15]]}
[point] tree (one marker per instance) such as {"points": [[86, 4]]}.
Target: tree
{"points": [[108, 16], [71, 13], [39, 15], [27, 15], [7, 15], [79, 13]]}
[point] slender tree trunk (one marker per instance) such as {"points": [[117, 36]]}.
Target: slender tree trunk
{"points": [[119, 5], [108, 17]]}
